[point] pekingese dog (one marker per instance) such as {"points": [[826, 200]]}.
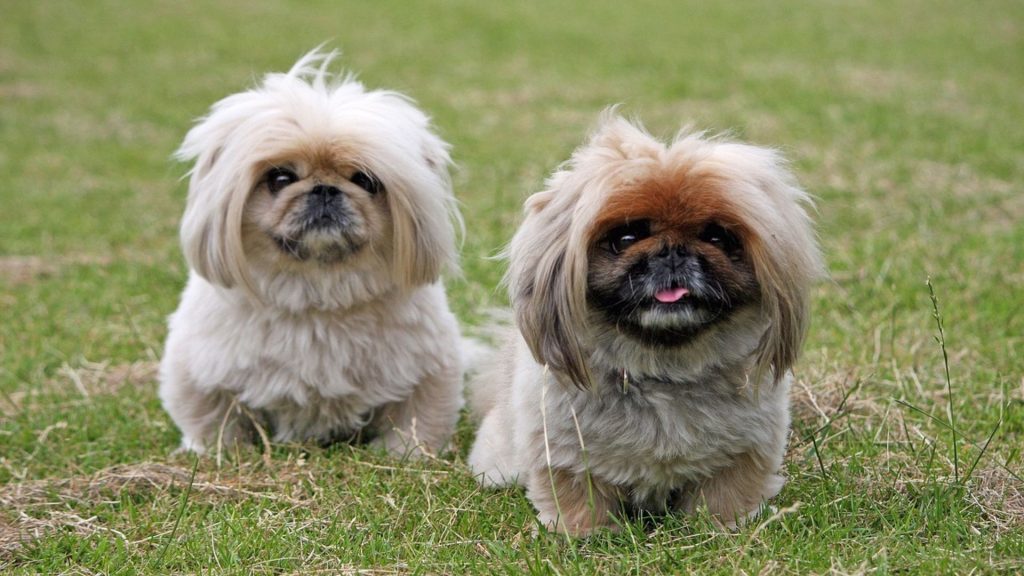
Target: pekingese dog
{"points": [[319, 219], [661, 297]]}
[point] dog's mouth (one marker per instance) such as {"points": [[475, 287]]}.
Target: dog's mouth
{"points": [[324, 230], [317, 246], [669, 316], [680, 306], [672, 295], [676, 307], [323, 221], [677, 300]]}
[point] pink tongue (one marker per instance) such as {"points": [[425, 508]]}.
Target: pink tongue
{"points": [[671, 295]]}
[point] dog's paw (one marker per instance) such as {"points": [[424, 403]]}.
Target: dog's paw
{"points": [[189, 446]]}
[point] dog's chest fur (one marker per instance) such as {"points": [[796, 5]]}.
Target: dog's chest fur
{"points": [[315, 374], [653, 437]]}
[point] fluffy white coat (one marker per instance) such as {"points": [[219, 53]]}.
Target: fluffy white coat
{"points": [[361, 347]]}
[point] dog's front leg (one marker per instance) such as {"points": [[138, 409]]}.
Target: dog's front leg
{"points": [[736, 493], [573, 504], [205, 418], [422, 423]]}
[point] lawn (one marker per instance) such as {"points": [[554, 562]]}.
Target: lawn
{"points": [[903, 118]]}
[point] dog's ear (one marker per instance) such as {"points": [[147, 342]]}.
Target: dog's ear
{"points": [[786, 305], [425, 215], [219, 184], [782, 248], [546, 288], [548, 257]]}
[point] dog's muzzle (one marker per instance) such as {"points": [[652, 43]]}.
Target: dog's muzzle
{"points": [[325, 208]]}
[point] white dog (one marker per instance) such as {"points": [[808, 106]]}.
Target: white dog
{"points": [[319, 219]]}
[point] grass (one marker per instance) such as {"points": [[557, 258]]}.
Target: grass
{"points": [[901, 117]]}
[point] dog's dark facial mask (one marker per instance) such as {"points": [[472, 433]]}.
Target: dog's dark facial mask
{"points": [[663, 274]]}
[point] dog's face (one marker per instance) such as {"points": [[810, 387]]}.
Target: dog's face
{"points": [[317, 210], [699, 251], [662, 273], [311, 190]]}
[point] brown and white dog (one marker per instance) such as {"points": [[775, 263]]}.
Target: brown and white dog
{"points": [[661, 295]]}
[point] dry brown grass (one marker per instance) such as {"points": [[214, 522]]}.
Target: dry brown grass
{"points": [[91, 378], [152, 477], [822, 399], [80, 380], [16, 270], [831, 402], [38, 508], [1000, 495], [23, 269]]}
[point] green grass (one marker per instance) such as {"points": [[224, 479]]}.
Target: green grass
{"points": [[903, 118]]}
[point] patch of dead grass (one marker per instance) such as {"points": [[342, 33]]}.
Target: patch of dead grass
{"points": [[1000, 496], [87, 379], [22, 90], [915, 448], [38, 508], [17, 270], [821, 400], [103, 378], [88, 505], [149, 478], [23, 269]]}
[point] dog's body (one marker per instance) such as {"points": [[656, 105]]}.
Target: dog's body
{"points": [[642, 444], [326, 376], [320, 217], [660, 296]]}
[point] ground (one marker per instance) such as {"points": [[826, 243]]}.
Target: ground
{"points": [[902, 118]]}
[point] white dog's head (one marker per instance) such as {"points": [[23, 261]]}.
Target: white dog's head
{"points": [[309, 190]]}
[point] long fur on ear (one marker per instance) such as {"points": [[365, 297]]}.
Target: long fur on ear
{"points": [[782, 246], [547, 275], [547, 292], [227, 147], [211, 228], [424, 211]]}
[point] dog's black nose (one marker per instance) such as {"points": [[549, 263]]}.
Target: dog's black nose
{"points": [[672, 259], [325, 191], [675, 252]]}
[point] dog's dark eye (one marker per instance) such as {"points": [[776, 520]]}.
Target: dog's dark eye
{"points": [[367, 182], [279, 178], [716, 235], [621, 238]]}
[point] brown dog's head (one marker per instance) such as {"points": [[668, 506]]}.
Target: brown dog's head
{"points": [[663, 273], [665, 247]]}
